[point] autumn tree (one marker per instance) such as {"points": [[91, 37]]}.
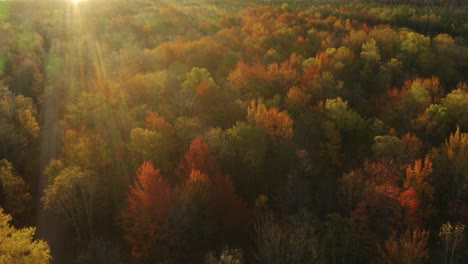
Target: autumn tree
{"points": [[19, 246], [20, 130], [413, 147], [187, 129], [72, 195], [212, 106], [350, 190], [278, 126], [297, 99], [205, 195], [379, 209], [151, 203], [189, 89], [259, 80], [434, 124], [410, 247], [227, 256], [199, 158], [155, 142], [452, 236], [14, 195], [418, 179], [293, 242], [450, 164], [145, 89]]}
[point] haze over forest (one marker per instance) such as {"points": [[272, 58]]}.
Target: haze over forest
{"points": [[234, 132]]}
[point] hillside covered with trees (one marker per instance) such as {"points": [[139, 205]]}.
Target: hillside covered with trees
{"points": [[218, 131]]}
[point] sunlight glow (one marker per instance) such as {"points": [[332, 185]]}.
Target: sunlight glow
{"points": [[76, 1]]}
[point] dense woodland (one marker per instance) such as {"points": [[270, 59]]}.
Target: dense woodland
{"points": [[220, 131]]}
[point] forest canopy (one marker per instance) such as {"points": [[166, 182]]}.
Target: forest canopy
{"points": [[222, 131]]}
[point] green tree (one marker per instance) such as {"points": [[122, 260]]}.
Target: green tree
{"points": [[248, 146], [449, 57], [151, 145], [417, 99], [370, 60], [414, 46], [433, 124], [354, 131], [189, 87], [456, 103], [387, 147]]}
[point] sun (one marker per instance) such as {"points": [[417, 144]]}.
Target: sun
{"points": [[76, 1]]}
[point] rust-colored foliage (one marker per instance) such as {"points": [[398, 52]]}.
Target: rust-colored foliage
{"points": [[323, 62], [410, 202], [248, 79], [418, 178], [379, 209], [198, 157], [210, 105], [432, 85], [210, 200], [150, 203], [409, 248], [231, 212], [413, 147], [225, 205], [418, 175], [385, 206], [277, 125], [382, 172], [264, 81], [297, 99], [391, 103], [310, 74], [156, 122]]}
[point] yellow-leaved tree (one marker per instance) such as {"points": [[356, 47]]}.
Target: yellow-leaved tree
{"points": [[18, 246]]}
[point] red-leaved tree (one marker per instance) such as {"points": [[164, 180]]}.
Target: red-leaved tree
{"points": [[150, 204]]}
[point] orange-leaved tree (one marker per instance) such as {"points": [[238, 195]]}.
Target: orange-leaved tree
{"points": [[198, 157], [150, 204], [276, 124], [417, 178], [208, 200]]}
